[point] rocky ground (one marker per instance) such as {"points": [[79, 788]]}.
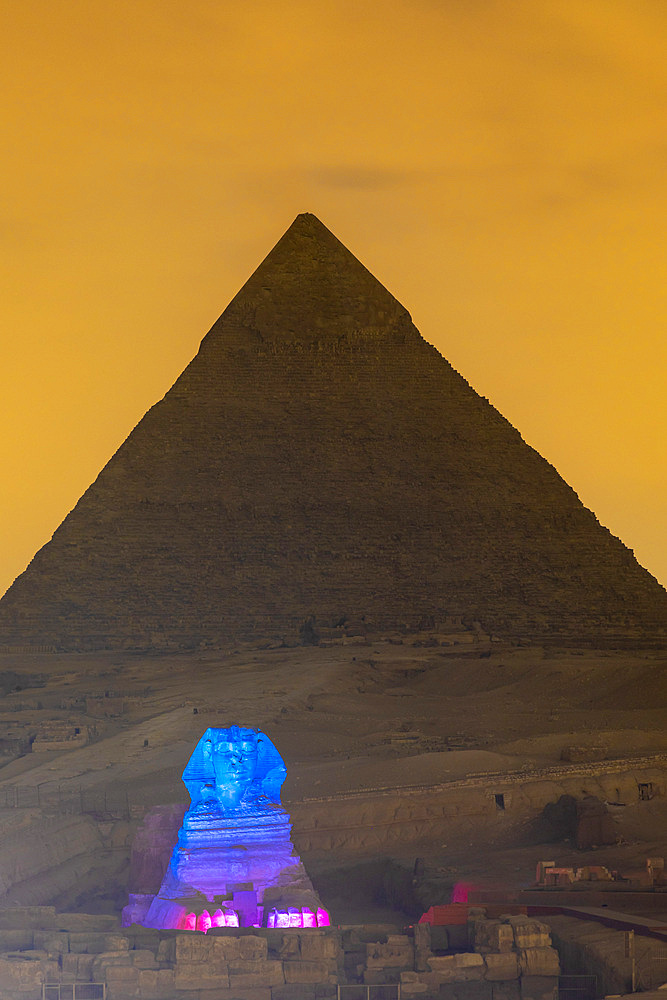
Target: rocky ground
{"points": [[387, 712]]}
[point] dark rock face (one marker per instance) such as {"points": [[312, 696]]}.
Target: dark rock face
{"points": [[152, 847], [319, 458], [595, 825]]}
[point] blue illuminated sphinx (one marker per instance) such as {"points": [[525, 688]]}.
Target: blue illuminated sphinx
{"points": [[234, 863]]}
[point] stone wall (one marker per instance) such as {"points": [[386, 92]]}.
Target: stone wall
{"points": [[39, 946], [589, 947], [364, 821], [511, 960]]}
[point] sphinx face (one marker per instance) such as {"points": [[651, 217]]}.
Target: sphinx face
{"points": [[234, 766]]}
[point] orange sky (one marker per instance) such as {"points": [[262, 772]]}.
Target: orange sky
{"points": [[498, 164]]}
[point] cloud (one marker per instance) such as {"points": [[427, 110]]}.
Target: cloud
{"points": [[362, 178]]}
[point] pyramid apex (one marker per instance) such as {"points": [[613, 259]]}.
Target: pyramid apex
{"points": [[309, 288], [308, 224]]}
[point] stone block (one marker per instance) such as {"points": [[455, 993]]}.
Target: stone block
{"points": [[466, 966], [166, 951], [294, 991], [194, 947], [102, 962], [539, 987], [54, 943], [148, 983], [501, 965], [354, 965], [99, 922], [31, 954], [403, 959], [309, 971], [225, 949], [315, 947], [380, 977], [122, 991], [467, 959], [77, 967], [397, 953], [20, 977], [70, 968], [84, 966], [539, 962], [252, 947], [122, 974], [422, 936], [411, 985], [29, 918], [142, 958], [17, 939], [481, 930], [493, 936], [475, 917], [289, 947], [199, 975], [250, 964], [143, 938], [467, 991], [529, 933], [96, 942], [51, 970], [235, 993], [456, 989], [509, 990], [154, 984], [417, 989], [256, 972]]}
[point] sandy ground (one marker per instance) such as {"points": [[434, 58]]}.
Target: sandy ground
{"points": [[393, 712]]}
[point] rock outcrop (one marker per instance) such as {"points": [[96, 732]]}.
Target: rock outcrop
{"points": [[319, 460]]}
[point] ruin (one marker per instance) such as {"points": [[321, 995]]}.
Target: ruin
{"points": [[319, 462], [234, 864]]}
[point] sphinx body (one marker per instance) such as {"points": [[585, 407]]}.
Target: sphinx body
{"points": [[234, 863]]}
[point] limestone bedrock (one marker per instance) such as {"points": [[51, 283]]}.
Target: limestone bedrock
{"points": [[234, 863]]}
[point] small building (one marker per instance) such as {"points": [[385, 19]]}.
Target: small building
{"points": [[59, 734]]}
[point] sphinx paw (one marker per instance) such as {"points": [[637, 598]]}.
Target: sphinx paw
{"points": [[297, 916]]}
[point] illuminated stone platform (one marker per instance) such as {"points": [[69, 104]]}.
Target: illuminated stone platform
{"points": [[234, 864]]}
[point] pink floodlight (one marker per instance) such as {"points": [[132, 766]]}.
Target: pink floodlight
{"points": [[191, 922], [204, 921], [323, 919], [308, 918]]}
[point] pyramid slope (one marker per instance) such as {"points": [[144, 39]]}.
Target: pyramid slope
{"points": [[319, 458]]}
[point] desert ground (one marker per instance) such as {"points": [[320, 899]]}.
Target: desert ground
{"points": [[369, 716]]}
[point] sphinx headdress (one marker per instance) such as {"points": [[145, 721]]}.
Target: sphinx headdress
{"points": [[270, 772]]}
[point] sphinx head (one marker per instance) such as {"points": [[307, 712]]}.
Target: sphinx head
{"points": [[234, 755], [233, 767]]}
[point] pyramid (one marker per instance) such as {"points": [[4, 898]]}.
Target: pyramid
{"points": [[319, 461]]}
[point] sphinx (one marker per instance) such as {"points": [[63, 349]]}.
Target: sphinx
{"points": [[234, 864]]}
